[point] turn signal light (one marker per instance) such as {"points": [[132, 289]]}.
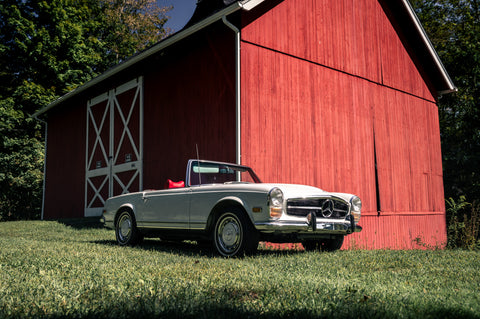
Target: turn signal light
{"points": [[275, 212]]}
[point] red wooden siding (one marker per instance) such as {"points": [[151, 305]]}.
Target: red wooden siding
{"points": [[332, 97], [65, 178], [352, 36], [190, 101], [306, 124], [398, 69], [408, 152], [426, 231], [331, 32]]}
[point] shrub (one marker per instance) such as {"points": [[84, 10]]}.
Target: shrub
{"points": [[463, 224]]}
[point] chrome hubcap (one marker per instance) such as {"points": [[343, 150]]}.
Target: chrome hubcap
{"points": [[229, 234], [125, 227]]}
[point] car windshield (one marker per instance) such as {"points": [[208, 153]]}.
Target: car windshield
{"points": [[220, 173]]}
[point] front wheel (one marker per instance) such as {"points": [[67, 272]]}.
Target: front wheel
{"points": [[324, 244], [126, 230], [233, 234]]}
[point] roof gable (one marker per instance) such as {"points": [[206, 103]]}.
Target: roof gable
{"points": [[210, 11]]}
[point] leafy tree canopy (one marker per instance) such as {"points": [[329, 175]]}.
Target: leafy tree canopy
{"points": [[454, 28], [48, 48]]}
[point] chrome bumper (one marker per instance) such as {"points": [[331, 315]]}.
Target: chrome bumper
{"points": [[342, 227]]}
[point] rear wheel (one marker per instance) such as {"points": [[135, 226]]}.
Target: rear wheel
{"points": [[126, 230], [324, 244], [233, 234]]}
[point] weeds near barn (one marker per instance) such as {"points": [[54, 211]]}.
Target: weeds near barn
{"points": [[48, 269], [463, 229]]}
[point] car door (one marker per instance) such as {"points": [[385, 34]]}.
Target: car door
{"points": [[168, 209], [203, 199]]}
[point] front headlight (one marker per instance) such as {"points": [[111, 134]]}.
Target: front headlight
{"points": [[275, 201], [356, 204]]}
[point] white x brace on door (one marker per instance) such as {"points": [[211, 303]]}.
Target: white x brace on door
{"points": [[114, 151]]}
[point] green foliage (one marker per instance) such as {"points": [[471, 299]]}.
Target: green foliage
{"points": [[21, 162], [50, 270], [129, 28], [454, 28], [48, 48], [463, 228]]}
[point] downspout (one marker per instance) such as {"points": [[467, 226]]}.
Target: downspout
{"points": [[238, 132], [44, 165]]}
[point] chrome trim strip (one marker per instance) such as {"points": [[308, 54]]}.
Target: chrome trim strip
{"points": [[343, 227], [314, 207], [162, 226]]}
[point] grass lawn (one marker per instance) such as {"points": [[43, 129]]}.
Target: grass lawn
{"points": [[48, 269]]}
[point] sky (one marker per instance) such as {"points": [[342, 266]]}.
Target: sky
{"points": [[180, 14]]}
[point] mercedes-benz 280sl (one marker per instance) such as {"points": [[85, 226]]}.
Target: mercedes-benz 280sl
{"points": [[228, 207]]}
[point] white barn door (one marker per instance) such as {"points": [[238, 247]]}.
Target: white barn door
{"points": [[114, 153]]}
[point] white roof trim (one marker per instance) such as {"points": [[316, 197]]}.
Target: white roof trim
{"points": [[431, 49], [246, 5], [250, 4]]}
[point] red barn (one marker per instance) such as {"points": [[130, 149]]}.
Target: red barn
{"points": [[339, 94]]}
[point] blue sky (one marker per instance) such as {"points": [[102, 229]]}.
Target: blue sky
{"points": [[180, 14]]}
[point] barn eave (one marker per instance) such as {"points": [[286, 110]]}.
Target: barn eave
{"points": [[409, 22]]}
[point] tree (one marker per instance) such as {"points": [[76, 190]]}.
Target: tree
{"points": [[133, 25], [454, 29], [48, 48]]}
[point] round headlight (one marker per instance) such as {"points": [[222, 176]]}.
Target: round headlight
{"points": [[275, 201], [356, 203], [275, 197]]}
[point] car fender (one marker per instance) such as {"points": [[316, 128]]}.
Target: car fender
{"points": [[124, 206], [225, 202]]}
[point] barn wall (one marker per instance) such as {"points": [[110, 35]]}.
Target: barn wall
{"points": [[188, 102], [65, 172], [302, 124], [335, 101]]}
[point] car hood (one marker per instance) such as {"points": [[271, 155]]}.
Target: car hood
{"points": [[301, 191], [294, 190], [289, 190]]}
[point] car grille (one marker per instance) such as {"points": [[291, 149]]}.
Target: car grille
{"points": [[334, 208]]}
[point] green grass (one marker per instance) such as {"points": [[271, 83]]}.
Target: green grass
{"points": [[48, 269]]}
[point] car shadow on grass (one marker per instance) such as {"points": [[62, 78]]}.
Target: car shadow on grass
{"points": [[191, 248], [81, 223]]}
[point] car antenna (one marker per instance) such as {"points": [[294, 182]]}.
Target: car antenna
{"points": [[198, 161]]}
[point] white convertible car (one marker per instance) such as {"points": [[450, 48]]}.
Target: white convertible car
{"points": [[227, 206]]}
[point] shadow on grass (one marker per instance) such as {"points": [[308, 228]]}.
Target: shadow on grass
{"points": [[176, 307], [191, 248], [81, 223]]}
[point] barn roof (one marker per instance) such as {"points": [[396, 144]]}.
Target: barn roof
{"points": [[210, 11], [411, 26]]}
